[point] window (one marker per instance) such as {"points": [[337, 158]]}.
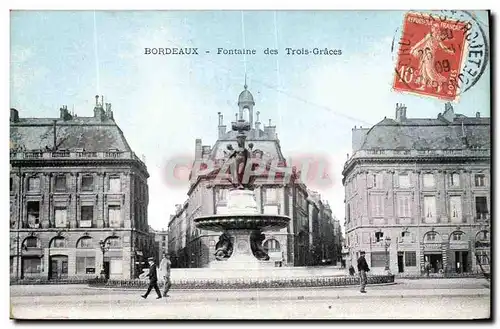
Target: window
{"points": [[114, 242], [377, 180], [272, 195], [60, 215], [114, 184], [404, 180], [431, 237], [483, 236], [31, 242], [33, 214], [87, 215], [348, 212], [114, 215], [483, 257], [60, 183], [11, 264], [410, 258], [32, 265], [406, 237], [379, 236], [87, 183], [272, 245], [58, 243], [479, 180], [457, 236], [33, 184], [429, 180], [403, 203], [11, 184], [222, 195], [378, 259], [430, 209], [84, 243], [454, 180], [377, 205], [481, 207], [456, 209], [85, 265]]}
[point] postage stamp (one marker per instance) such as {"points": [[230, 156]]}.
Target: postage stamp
{"points": [[431, 56]]}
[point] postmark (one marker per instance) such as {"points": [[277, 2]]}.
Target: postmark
{"points": [[440, 55]]}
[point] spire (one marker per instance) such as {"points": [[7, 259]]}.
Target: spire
{"points": [[245, 85]]}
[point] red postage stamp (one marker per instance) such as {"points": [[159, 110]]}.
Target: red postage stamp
{"points": [[430, 56]]}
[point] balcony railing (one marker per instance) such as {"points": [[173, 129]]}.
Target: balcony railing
{"points": [[72, 155], [419, 153]]}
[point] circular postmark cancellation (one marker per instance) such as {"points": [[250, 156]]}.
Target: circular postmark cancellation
{"points": [[440, 54]]}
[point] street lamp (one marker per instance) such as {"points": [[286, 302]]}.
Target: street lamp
{"points": [[387, 243], [104, 247]]}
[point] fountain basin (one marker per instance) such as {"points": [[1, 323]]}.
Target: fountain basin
{"points": [[222, 223]]}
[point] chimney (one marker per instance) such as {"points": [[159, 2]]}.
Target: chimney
{"points": [[98, 110], [400, 112], [64, 114], [55, 135], [14, 115], [257, 122], [197, 149], [222, 128], [109, 113], [270, 131], [478, 114]]}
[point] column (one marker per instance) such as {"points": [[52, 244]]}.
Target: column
{"points": [[100, 200], [72, 200], [127, 187]]}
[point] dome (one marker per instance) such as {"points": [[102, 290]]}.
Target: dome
{"points": [[246, 97]]}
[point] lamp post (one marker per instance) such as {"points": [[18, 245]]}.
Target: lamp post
{"points": [[104, 247], [387, 243]]}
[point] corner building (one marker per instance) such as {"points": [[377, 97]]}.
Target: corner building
{"points": [[73, 182], [425, 184], [291, 246]]}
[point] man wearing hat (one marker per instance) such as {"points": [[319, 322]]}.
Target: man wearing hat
{"points": [[153, 279], [362, 269]]}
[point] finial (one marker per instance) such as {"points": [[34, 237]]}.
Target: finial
{"points": [[96, 100], [245, 86], [102, 101]]}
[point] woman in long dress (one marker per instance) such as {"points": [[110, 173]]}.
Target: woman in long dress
{"points": [[425, 50]]}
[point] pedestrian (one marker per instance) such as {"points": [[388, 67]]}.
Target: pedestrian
{"points": [[165, 266], [427, 267], [153, 279], [362, 269]]}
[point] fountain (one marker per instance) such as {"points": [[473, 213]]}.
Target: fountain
{"points": [[240, 244]]}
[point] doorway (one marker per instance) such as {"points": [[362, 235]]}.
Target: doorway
{"points": [[460, 264], [436, 262], [58, 267], [401, 263], [106, 270]]}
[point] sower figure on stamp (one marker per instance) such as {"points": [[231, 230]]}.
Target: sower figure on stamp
{"points": [[362, 269], [165, 265], [153, 279]]}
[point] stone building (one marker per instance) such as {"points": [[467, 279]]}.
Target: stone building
{"points": [[161, 243], [192, 247], [74, 181], [425, 185]]}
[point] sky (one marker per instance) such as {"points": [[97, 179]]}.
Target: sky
{"points": [[163, 103]]}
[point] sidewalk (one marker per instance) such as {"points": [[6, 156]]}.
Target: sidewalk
{"points": [[253, 295]]}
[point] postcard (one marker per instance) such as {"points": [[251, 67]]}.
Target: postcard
{"points": [[233, 164]]}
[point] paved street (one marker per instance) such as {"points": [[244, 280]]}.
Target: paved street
{"points": [[438, 298]]}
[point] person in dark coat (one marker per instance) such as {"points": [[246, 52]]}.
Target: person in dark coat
{"points": [[153, 279], [362, 270]]}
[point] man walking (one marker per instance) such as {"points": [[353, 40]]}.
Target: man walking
{"points": [[165, 265], [153, 279], [362, 269]]}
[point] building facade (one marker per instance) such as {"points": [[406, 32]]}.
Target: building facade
{"points": [[161, 243], [417, 191], [283, 194], [74, 181]]}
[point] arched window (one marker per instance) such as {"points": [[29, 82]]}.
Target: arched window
{"points": [[58, 242], [272, 245], [432, 237], [457, 236], [113, 242], [31, 242], [85, 242]]}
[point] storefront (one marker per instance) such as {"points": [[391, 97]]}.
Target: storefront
{"points": [[459, 255], [433, 252]]}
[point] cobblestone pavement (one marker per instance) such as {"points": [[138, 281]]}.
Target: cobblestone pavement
{"points": [[450, 298]]}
